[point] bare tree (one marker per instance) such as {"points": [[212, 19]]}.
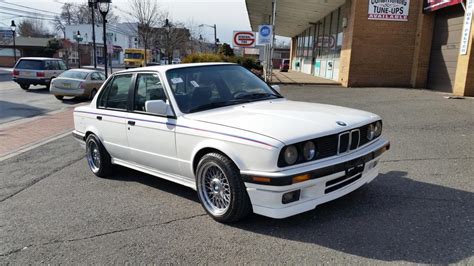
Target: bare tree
{"points": [[72, 14], [147, 15], [174, 37], [33, 28]]}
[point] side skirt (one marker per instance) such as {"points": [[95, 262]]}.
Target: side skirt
{"points": [[170, 177]]}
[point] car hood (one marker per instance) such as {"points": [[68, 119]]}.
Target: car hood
{"points": [[286, 121]]}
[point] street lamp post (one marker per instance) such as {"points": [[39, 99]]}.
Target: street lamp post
{"points": [[13, 28], [168, 30], [78, 38], [93, 6], [104, 6], [216, 41]]}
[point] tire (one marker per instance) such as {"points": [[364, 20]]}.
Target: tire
{"points": [[220, 188], [97, 156], [93, 93], [25, 86], [59, 97]]}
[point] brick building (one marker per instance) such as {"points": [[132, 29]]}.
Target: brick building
{"points": [[395, 43]]}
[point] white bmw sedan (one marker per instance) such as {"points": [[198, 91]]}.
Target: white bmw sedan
{"points": [[222, 131]]}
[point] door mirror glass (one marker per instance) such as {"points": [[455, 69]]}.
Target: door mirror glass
{"points": [[276, 88], [158, 107]]}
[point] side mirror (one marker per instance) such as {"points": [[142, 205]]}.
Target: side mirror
{"points": [[158, 107], [277, 88]]}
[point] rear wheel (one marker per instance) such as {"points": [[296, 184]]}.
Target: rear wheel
{"points": [[221, 190], [97, 157], [25, 86], [59, 97], [93, 93]]}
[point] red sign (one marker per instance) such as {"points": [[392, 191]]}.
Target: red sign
{"points": [[432, 5], [244, 39]]}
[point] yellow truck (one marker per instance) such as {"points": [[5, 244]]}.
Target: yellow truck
{"points": [[136, 57]]}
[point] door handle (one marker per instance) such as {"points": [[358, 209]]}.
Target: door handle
{"points": [[99, 117], [132, 123]]}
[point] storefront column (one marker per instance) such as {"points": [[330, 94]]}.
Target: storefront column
{"points": [[421, 58], [464, 83]]}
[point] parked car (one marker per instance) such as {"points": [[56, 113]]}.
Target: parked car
{"points": [[77, 83], [219, 129], [176, 61], [37, 71], [285, 65]]}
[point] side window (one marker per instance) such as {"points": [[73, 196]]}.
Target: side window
{"points": [[62, 66], [95, 76], [149, 87], [115, 95], [48, 65], [102, 76]]}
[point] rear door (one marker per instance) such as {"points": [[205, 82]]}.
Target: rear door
{"points": [[112, 116], [151, 137]]}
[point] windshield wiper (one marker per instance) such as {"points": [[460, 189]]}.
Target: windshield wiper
{"points": [[215, 105], [259, 95]]}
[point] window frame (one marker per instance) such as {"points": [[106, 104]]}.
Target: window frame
{"points": [[135, 89], [106, 91]]}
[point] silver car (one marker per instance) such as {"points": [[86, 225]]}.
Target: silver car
{"points": [[78, 83], [37, 71]]}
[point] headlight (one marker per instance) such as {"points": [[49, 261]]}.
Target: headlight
{"points": [[370, 132], [378, 129], [309, 151], [291, 155]]}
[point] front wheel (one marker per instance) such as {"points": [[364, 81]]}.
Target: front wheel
{"points": [[221, 190], [97, 157], [59, 97]]}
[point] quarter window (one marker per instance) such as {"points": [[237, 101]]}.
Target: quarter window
{"points": [[149, 87], [115, 95]]}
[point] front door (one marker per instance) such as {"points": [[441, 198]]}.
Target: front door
{"points": [[151, 137]]}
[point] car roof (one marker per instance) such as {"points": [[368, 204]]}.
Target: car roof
{"points": [[163, 68], [39, 58], [84, 70]]}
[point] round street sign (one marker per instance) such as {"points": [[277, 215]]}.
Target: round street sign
{"points": [[265, 31]]}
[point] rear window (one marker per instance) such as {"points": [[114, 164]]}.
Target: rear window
{"points": [[30, 64], [74, 74]]}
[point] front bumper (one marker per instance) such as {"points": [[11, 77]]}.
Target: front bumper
{"points": [[34, 81], [329, 180], [67, 92]]}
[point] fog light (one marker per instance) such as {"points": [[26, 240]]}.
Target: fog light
{"points": [[291, 196]]}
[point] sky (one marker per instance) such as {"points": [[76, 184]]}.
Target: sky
{"points": [[228, 15]]}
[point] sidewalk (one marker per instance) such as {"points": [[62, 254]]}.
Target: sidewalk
{"points": [[298, 78], [17, 136]]}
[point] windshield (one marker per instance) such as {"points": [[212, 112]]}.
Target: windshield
{"points": [[74, 74], [133, 56], [207, 87]]}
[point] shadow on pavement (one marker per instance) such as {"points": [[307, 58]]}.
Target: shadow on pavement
{"points": [[392, 219], [9, 109], [129, 175]]}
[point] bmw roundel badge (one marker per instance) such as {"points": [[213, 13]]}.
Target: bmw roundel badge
{"points": [[342, 124]]}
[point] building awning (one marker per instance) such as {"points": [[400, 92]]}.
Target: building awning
{"points": [[293, 16]]}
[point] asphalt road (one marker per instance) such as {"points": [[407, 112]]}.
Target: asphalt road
{"points": [[419, 210], [16, 103]]}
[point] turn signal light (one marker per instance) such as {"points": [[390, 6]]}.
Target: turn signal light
{"points": [[261, 179], [300, 178]]}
